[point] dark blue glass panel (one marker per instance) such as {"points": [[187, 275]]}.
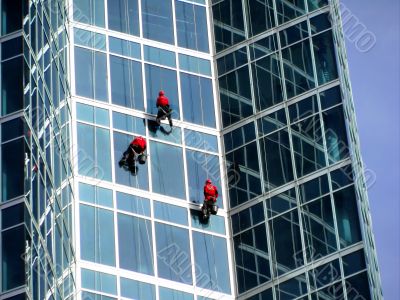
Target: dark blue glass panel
{"points": [[288, 10], [325, 59], [353, 262], [342, 177], [314, 188], [135, 244], [325, 274], [281, 203], [292, 288], [173, 253], [240, 136], [157, 21], [232, 61], [358, 287], [293, 34], [12, 164], [330, 97], [271, 122], [197, 99], [12, 215], [11, 85], [11, 47], [260, 16], [303, 109], [320, 23], [211, 267], [263, 47]]}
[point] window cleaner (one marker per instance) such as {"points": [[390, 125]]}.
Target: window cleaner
{"points": [[210, 198], [135, 151], [164, 111]]}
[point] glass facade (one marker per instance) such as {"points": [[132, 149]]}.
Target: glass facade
{"points": [[261, 105]]}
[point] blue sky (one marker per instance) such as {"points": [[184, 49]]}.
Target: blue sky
{"points": [[375, 81]]}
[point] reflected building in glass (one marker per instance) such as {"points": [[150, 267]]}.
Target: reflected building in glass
{"points": [[261, 105]]}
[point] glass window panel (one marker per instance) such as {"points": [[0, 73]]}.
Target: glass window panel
{"points": [[97, 235], [123, 16], [91, 296], [11, 15], [95, 195], [286, 243], [12, 85], [315, 4], [12, 215], [141, 178], [211, 259], [276, 158], [170, 213], [91, 74], [99, 281], [168, 294], [103, 154], [330, 97], [263, 47], [157, 79], [292, 288], [235, 96], [281, 203], [11, 47], [194, 64], [167, 160], [101, 116], [89, 39], [86, 155], [232, 61], [12, 169], [319, 229], [265, 295], [12, 129], [172, 135], [252, 258], [239, 136], [293, 34], [201, 141], [126, 83], [198, 100], [303, 109], [173, 253], [271, 122], [335, 134], [342, 177], [332, 292], [325, 274], [320, 23], [84, 112], [133, 289], [358, 287], [299, 73], [325, 60], [191, 26], [248, 217], [202, 166], [89, 12], [159, 56], [135, 244], [133, 204], [243, 173], [129, 123], [125, 48], [157, 20], [260, 16], [12, 264], [215, 224], [267, 83], [347, 217], [228, 23], [308, 147], [289, 9], [354, 262], [314, 188]]}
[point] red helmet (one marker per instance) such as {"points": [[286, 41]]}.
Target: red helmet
{"points": [[208, 181], [161, 93]]}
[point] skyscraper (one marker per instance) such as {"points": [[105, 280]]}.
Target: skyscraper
{"points": [[261, 105]]}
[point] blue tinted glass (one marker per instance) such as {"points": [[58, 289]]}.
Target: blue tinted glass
{"points": [[314, 188], [135, 244], [292, 288], [191, 26], [202, 141], [85, 112], [89, 12], [202, 166], [197, 100], [358, 286], [240, 136], [173, 253], [159, 56], [133, 204], [161, 79], [342, 177], [91, 74], [125, 48], [11, 48], [126, 83], [281, 203], [95, 195], [89, 39], [293, 34], [232, 61], [215, 224], [129, 123], [92, 296], [98, 281], [288, 10], [325, 59], [303, 109], [12, 264], [170, 213], [104, 196], [211, 259], [354, 262], [123, 16], [157, 20], [167, 170], [271, 122], [133, 289], [194, 64], [139, 179], [320, 23], [97, 235], [174, 136], [101, 116], [12, 215], [168, 294], [330, 97], [263, 47]]}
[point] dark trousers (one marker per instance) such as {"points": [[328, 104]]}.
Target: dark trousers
{"points": [[164, 111], [130, 153]]}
